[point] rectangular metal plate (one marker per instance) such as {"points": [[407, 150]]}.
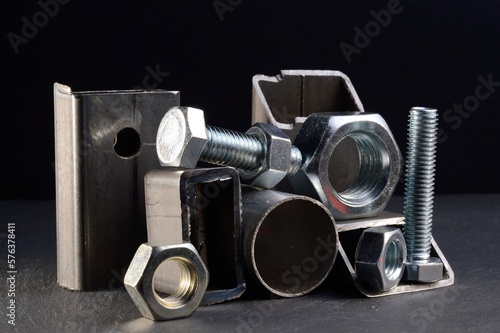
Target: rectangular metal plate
{"points": [[105, 144], [201, 206]]}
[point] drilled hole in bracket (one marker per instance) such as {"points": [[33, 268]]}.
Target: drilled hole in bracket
{"points": [[127, 143]]}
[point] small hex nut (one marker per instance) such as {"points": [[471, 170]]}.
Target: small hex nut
{"points": [[139, 281], [378, 171], [181, 137], [380, 257], [428, 271], [277, 160]]}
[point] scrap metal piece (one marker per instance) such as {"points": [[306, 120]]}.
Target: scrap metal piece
{"points": [[201, 206], [286, 100], [191, 281], [289, 241], [104, 145]]}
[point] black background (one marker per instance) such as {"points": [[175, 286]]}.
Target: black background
{"points": [[429, 54]]}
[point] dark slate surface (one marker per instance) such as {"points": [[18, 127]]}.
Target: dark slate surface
{"points": [[466, 228]]}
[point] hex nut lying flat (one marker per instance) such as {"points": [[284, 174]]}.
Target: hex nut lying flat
{"points": [[380, 257], [193, 281]]}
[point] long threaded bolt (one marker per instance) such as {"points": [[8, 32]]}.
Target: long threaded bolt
{"points": [[419, 195], [227, 147], [264, 155], [240, 150]]}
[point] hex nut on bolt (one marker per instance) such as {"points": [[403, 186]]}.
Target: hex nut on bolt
{"points": [[193, 281], [380, 257], [276, 163]]}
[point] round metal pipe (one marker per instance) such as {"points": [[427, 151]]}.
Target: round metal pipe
{"points": [[289, 241]]}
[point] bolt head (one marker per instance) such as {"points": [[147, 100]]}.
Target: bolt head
{"points": [[181, 137], [429, 271]]}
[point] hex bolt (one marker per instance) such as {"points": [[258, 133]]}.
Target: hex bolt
{"points": [[419, 196], [240, 150], [264, 155]]}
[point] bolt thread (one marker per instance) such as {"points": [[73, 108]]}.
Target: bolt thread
{"points": [[231, 148], [295, 161], [419, 182]]}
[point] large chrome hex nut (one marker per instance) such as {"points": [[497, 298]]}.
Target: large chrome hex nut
{"points": [[277, 159], [380, 257], [351, 163], [181, 137], [192, 283]]}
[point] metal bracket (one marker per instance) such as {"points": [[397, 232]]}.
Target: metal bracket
{"points": [[104, 145], [287, 99], [349, 232], [201, 206]]}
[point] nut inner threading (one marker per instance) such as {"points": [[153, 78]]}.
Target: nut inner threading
{"points": [[186, 283], [372, 157], [393, 263]]}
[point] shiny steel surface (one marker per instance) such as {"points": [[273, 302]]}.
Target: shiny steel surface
{"points": [[188, 292], [380, 257], [372, 161], [264, 155], [419, 195]]}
